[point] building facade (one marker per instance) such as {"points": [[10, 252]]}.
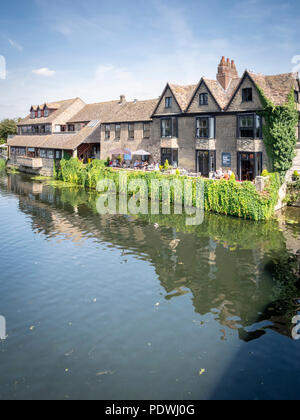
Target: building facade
{"points": [[201, 128]]}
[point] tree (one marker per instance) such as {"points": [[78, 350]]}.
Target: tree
{"points": [[7, 127]]}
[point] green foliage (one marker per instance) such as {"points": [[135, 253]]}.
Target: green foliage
{"points": [[2, 164], [279, 132], [223, 197], [7, 127], [232, 177], [107, 162], [265, 173], [296, 175], [177, 172]]}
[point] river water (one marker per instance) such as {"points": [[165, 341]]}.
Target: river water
{"points": [[118, 307]]}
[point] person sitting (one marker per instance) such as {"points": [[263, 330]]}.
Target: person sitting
{"points": [[219, 174]]}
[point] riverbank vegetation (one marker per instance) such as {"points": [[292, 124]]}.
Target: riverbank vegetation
{"points": [[223, 197], [2, 164]]}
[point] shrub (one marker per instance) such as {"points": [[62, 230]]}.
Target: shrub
{"points": [[223, 197], [166, 165], [296, 175], [232, 177]]}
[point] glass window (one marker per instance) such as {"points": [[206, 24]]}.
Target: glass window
{"points": [[107, 132], [246, 127], [50, 154], [43, 153], [169, 127], [46, 112], [57, 154], [203, 99], [146, 130], [32, 114], [39, 113], [118, 131], [247, 95], [57, 129], [131, 130], [202, 127], [169, 102]]}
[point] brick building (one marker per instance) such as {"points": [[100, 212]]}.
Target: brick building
{"points": [[203, 127]]}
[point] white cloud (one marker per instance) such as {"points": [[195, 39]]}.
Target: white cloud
{"points": [[15, 45], [45, 72]]}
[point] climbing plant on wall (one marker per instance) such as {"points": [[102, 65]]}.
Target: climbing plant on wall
{"points": [[279, 132]]}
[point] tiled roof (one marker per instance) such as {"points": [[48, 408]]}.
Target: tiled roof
{"points": [[69, 141], [183, 94], [114, 111], [276, 88], [60, 107], [221, 96]]}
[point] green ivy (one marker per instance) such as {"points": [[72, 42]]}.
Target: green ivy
{"points": [[279, 132]]}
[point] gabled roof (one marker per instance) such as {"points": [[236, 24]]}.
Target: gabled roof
{"points": [[68, 141], [276, 88], [181, 94], [60, 107], [114, 112]]}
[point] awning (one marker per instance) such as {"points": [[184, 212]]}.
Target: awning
{"points": [[141, 153]]}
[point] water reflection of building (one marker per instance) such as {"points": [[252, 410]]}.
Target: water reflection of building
{"points": [[225, 262]]}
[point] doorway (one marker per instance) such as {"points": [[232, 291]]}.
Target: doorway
{"points": [[249, 165], [205, 162]]}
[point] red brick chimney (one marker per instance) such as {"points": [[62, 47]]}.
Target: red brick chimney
{"points": [[226, 72]]}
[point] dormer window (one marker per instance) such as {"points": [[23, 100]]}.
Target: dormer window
{"points": [[32, 113], [247, 95], [39, 113], [169, 102], [46, 112], [203, 99]]}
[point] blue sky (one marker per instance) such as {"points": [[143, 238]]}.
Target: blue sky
{"points": [[99, 49]]}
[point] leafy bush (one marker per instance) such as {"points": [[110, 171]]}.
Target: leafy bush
{"points": [[265, 173], [2, 164], [224, 197]]}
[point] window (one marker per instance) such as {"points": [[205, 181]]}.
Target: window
{"points": [[20, 151], [118, 131], [169, 102], [39, 113], [250, 126], [169, 127], [43, 153], [46, 112], [147, 133], [50, 154], [107, 132], [58, 154], [32, 114], [42, 129], [131, 131], [205, 127], [170, 155], [296, 96], [71, 128], [247, 95], [48, 128], [57, 129], [203, 99]]}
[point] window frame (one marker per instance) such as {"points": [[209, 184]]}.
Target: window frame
{"points": [[117, 136], [201, 101], [173, 129], [254, 128], [148, 130], [107, 130], [131, 131], [168, 102], [246, 97]]}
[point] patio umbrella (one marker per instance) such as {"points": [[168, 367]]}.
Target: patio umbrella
{"points": [[141, 153]]}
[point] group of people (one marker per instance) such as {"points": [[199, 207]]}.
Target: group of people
{"points": [[138, 164], [220, 174]]}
